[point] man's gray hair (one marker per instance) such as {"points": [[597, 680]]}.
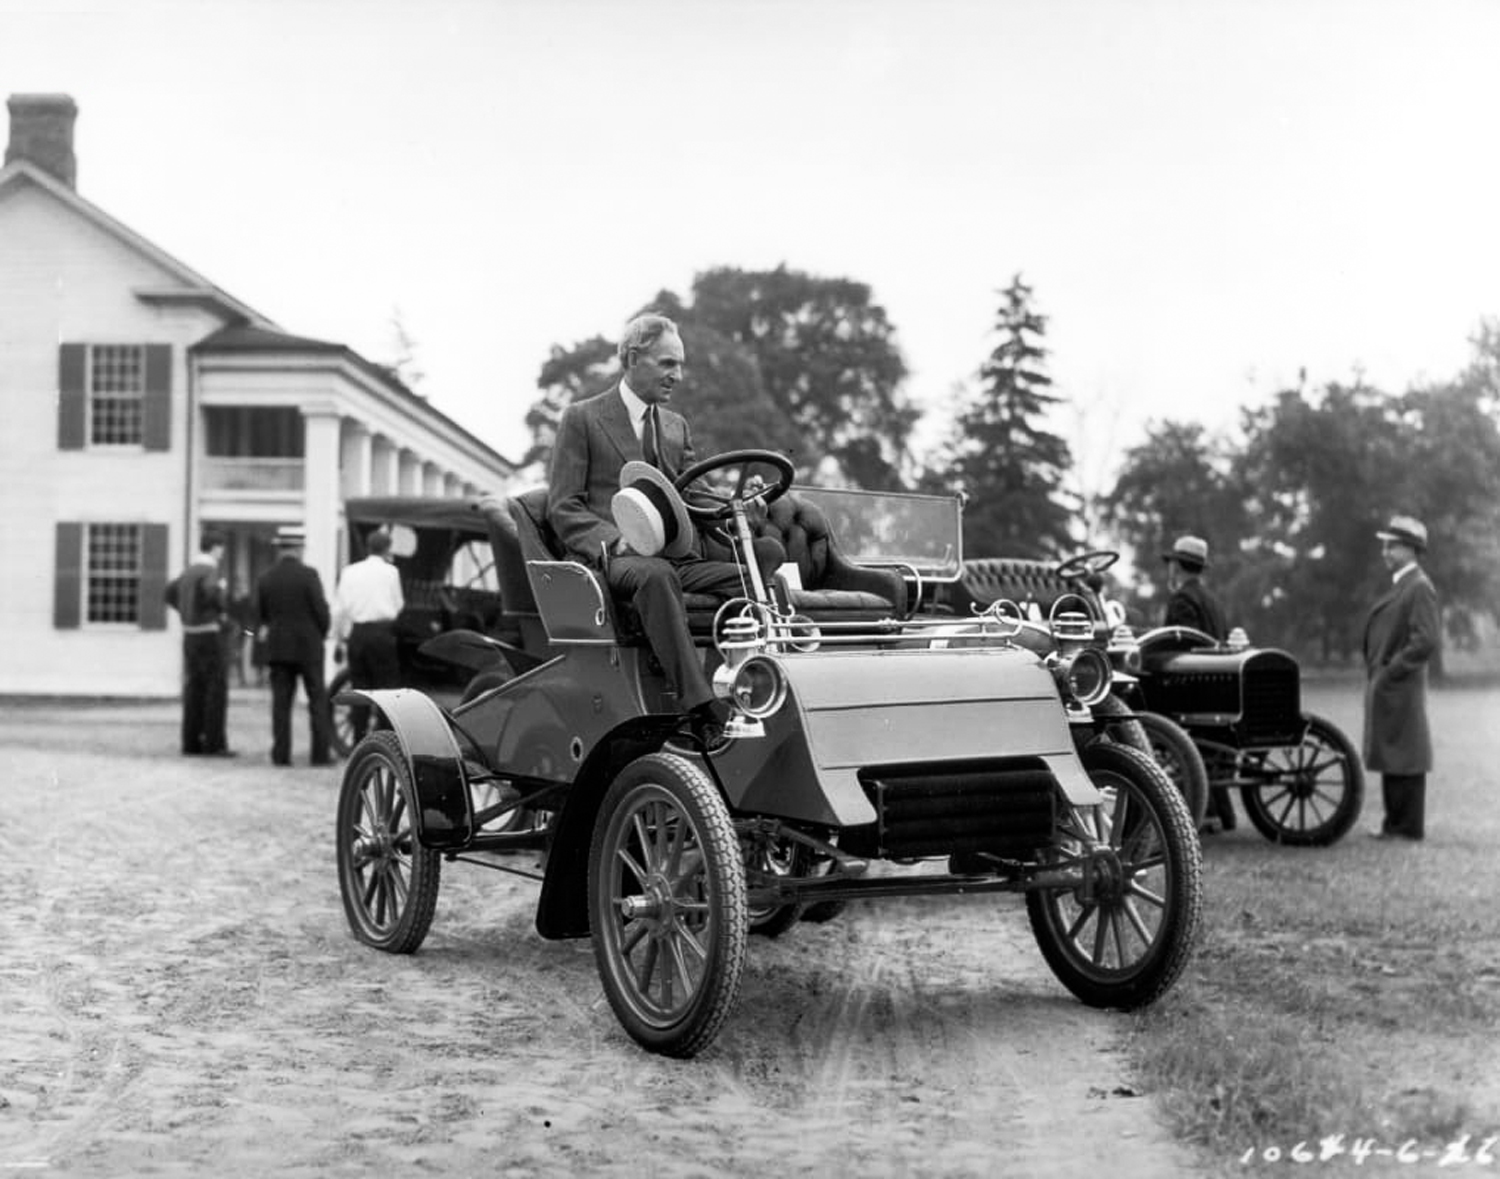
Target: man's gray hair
{"points": [[643, 331]]}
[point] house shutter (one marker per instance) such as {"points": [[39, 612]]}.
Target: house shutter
{"points": [[153, 609], [67, 581], [72, 396], [157, 410]]}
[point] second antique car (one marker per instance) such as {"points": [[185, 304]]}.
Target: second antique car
{"points": [[1299, 777], [866, 756]]}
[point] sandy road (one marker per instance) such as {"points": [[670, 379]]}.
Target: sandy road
{"points": [[179, 995]]}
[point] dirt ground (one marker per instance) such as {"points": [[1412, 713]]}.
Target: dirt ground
{"points": [[179, 994]]}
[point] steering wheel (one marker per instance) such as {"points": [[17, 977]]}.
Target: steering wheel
{"points": [[1093, 561], [723, 505]]}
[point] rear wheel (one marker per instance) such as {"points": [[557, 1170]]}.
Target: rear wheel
{"points": [[1175, 752], [389, 881], [341, 733], [1121, 937], [768, 857], [667, 904], [1306, 795]]}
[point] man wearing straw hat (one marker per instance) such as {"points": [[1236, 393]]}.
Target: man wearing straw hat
{"points": [[1192, 605], [1401, 635]]}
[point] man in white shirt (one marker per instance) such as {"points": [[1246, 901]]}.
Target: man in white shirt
{"points": [[366, 603]]}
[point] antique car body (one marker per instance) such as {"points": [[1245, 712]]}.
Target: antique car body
{"points": [[441, 547], [864, 758]]}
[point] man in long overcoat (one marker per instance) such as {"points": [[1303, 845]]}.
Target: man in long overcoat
{"points": [[294, 617], [1401, 634]]}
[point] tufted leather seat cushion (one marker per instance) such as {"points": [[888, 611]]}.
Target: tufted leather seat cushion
{"points": [[1021, 581], [831, 584]]}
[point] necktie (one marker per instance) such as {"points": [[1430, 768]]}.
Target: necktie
{"points": [[650, 437]]}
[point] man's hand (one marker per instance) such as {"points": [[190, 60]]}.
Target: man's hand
{"points": [[755, 507]]}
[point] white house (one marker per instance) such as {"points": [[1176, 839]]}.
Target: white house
{"points": [[142, 404]]}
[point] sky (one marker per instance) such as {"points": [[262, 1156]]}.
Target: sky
{"points": [[1208, 197]]}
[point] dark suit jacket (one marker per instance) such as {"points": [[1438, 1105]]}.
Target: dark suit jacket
{"points": [[1401, 635], [1192, 605], [594, 440], [290, 603]]}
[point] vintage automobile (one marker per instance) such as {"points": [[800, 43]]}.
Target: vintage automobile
{"points": [[868, 755], [1300, 779], [441, 547]]}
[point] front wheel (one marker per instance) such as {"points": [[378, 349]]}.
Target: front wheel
{"points": [[1306, 795], [389, 881], [667, 904], [1122, 935], [1175, 752]]}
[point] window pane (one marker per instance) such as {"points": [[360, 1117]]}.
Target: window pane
{"points": [[113, 573], [117, 382]]}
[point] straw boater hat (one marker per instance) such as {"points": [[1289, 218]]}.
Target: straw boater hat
{"points": [[290, 536], [650, 514], [1406, 530], [1191, 552]]}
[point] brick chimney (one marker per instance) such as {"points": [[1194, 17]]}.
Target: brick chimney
{"points": [[41, 131]]}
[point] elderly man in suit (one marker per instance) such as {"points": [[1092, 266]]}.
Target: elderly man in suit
{"points": [[294, 619], [595, 439], [1401, 634]]}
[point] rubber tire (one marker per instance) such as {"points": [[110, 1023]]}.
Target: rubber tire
{"points": [[662, 788], [1173, 749], [1148, 797], [378, 803], [1263, 803], [340, 720]]}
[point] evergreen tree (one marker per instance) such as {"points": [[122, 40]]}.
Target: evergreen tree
{"points": [[1011, 469]]}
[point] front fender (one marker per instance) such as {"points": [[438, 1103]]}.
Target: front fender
{"points": [[444, 817]]}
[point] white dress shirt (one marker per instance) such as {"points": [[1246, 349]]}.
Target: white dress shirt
{"points": [[368, 591]]}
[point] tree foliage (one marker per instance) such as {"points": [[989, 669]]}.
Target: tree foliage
{"points": [[1000, 456], [776, 359]]}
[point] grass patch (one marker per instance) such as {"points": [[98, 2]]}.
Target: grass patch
{"points": [[1348, 990]]}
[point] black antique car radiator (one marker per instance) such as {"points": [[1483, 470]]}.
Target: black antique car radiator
{"points": [[1006, 808], [1242, 698]]}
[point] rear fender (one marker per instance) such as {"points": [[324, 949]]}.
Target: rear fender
{"points": [[444, 817]]}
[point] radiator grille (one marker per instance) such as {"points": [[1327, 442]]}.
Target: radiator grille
{"points": [[1006, 808]]}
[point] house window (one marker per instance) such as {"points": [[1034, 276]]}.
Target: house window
{"points": [[112, 573], [117, 389]]}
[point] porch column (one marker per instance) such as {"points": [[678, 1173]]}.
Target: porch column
{"points": [[411, 474], [320, 495], [432, 479], [385, 467], [355, 457]]}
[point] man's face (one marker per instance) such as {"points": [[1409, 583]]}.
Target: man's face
{"points": [[656, 370], [1396, 555]]}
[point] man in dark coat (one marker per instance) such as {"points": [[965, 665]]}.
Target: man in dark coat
{"points": [[198, 595], [1401, 634], [294, 617], [595, 439], [1191, 604]]}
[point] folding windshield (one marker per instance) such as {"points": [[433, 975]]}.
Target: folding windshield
{"points": [[896, 529]]}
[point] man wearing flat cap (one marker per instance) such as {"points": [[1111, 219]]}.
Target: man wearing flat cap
{"points": [[629, 432], [1401, 634], [1191, 604]]}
